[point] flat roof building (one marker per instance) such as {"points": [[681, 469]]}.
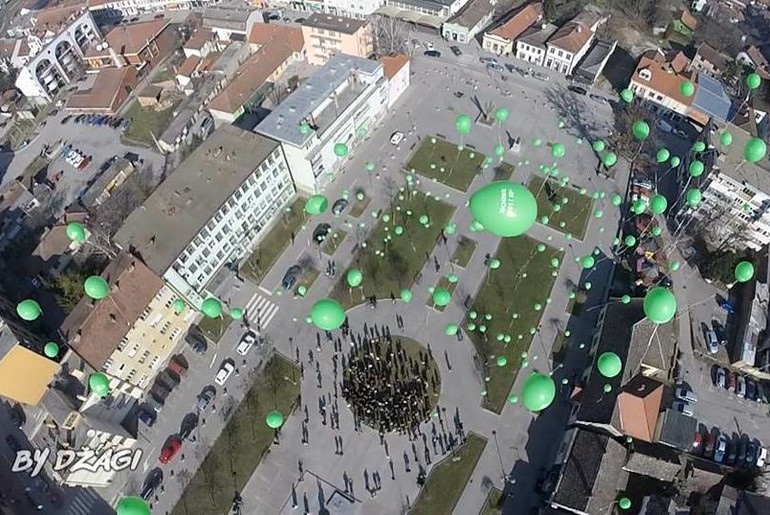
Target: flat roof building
{"points": [[339, 104], [211, 211], [327, 35]]}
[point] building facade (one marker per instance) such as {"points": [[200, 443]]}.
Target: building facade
{"points": [[106, 11], [339, 104], [567, 46], [502, 39], [397, 71], [326, 35], [469, 22], [211, 211], [531, 46], [59, 58], [658, 81], [137, 44]]}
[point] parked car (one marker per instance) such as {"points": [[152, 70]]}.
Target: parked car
{"points": [[224, 373], [684, 394], [732, 452], [598, 98], [721, 448], [664, 126], [151, 483], [740, 388], [459, 94], [680, 133], [396, 137], [683, 407], [752, 454], [495, 67], [177, 367], [743, 450], [752, 391], [151, 403], [488, 60], [456, 50], [708, 446], [167, 380], [145, 417], [577, 89], [321, 232], [720, 377], [290, 277], [712, 341], [159, 393], [516, 145], [170, 449], [541, 76], [339, 206], [762, 458], [697, 444], [432, 53], [727, 306], [205, 397], [196, 341], [247, 341]]}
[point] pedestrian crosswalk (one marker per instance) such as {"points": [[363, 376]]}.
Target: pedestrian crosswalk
{"points": [[259, 311], [85, 501]]}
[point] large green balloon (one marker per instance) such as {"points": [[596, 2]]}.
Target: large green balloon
{"points": [[76, 232], [96, 287], [354, 277], [694, 197], [587, 262], [640, 130], [99, 384], [501, 114], [538, 392], [753, 81], [624, 503], [441, 297], [133, 505], [316, 205], [327, 314], [558, 150], [211, 307], [687, 88], [755, 150], [696, 168], [504, 208], [340, 149], [609, 364], [659, 305], [610, 159], [463, 124], [658, 204], [28, 310], [451, 329], [51, 349], [726, 138], [406, 295], [304, 128], [274, 419], [744, 271], [663, 155]]}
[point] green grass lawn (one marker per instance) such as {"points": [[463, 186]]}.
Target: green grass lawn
{"points": [[447, 480], [235, 455], [333, 241], [442, 283], [269, 249], [491, 504], [507, 293], [504, 171], [359, 206], [214, 328], [573, 216], [464, 251], [404, 256], [147, 122], [308, 277], [445, 163]]}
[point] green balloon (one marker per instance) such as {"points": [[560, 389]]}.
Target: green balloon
{"points": [[211, 307], [625, 299], [441, 297], [755, 150], [501, 114], [630, 240], [327, 314], [99, 384], [274, 419], [96, 287], [76, 232], [133, 505], [610, 159], [28, 310], [638, 206], [236, 313], [406, 295], [354, 277], [627, 96], [675, 161], [499, 150], [463, 124], [451, 329], [450, 228], [694, 197], [370, 166], [304, 128], [663, 155], [656, 230], [423, 219], [502, 361], [753, 81], [558, 150], [725, 138], [675, 266], [587, 262], [316, 205], [660, 305], [617, 200], [494, 263], [640, 129], [598, 213], [538, 392], [598, 146], [624, 503], [178, 306], [51, 349], [609, 364], [452, 278], [504, 208], [699, 146], [687, 88], [744, 271], [658, 204], [301, 290], [696, 168], [340, 149]]}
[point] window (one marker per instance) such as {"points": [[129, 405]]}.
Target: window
{"points": [[174, 333], [561, 54], [131, 374], [107, 364], [645, 74], [133, 350], [165, 327], [145, 313], [144, 357], [122, 344], [154, 361], [143, 380]]}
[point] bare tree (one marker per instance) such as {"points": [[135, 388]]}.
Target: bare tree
{"points": [[721, 35], [209, 467], [110, 215], [391, 35], [183, 477]]}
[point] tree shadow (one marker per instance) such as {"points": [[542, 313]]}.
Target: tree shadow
{"points": [[573, 111], [619, 68]]}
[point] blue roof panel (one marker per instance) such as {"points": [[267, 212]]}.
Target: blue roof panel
{"points": [[711, 98]]}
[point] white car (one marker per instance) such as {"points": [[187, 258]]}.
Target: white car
{"points": [[396, 137], [429, 45], [247, 342], [516, 145], [224, 373]]}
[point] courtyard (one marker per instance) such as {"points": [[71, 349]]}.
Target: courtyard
{"points": [[448, 163], [567, 209]]}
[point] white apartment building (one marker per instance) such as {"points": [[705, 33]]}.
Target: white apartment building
{"points": [[211, 211], [340, 104], [55, 55], [105, 11], [567, 46], [359, 9], [531, 45]]}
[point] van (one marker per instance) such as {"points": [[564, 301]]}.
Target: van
{"points": [[683, 407], [664, 126], [684, 394]]}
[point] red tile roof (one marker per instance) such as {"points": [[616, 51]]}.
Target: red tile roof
{"points": [[662, 79], [391, 65], [520, 22], [261, 33]]}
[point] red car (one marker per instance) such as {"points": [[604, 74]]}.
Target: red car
{"points": [[170, 449], [731, 381], [697, 444]]}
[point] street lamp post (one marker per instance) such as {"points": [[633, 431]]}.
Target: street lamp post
{"points": [[499, 456]]}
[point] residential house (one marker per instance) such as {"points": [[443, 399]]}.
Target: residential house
{"points": [[16, 204], [326, 35], [439, 10], [397, 70], [682, 26], [501, 39], [658, 81], [136, 44], [55, 249], [187, 69], [112, 11], [149, 96], [751, 351], [341, 103], [567, 46], [709, 61], [231, 20], [200, 44], [466, 24], [591, 66], [108, 94], [531, 45], [211, 211], [754, 57]]}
